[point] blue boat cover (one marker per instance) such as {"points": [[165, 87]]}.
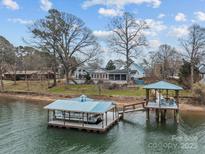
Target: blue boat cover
{"points": [[163, 85], [81, 104]]}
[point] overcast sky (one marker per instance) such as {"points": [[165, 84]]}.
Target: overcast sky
{"points": [[168, 19]]}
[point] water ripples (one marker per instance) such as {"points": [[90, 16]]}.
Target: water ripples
{"points": [[23, 129]]}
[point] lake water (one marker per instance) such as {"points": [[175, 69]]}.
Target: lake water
{"points": [[23, 130]]}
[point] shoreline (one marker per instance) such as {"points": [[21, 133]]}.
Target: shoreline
{"points": [[120, 100]]}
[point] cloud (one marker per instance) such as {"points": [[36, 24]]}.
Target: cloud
{"points": [[11, 4], [161, 15], [109, 12], [46, 5], [21, 21], [179, 31], [155, 27], [100, 34], [154, 43], [200, 15], [120, 3], [180, 17]]}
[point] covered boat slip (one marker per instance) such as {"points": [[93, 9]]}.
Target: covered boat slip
{"points": [[159, 103], [82, 113]]}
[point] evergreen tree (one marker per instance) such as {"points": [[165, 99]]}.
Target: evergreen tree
{"points": [[110, 65]]}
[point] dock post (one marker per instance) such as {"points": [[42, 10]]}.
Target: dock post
{"points": [[87, 117], [102, 120], [165, 114], [48, 116], [106, 118], [113, 117], [160, 118], [177, 115], [64, 117], [83, 119], [54, 115], [157, 115], [162, 115], [123, 110], [147, 114]]}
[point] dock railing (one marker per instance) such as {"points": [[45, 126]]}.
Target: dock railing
{"points": [[132, 108]]}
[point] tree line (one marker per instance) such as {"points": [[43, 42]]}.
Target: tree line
{"points": [[62, 39]]}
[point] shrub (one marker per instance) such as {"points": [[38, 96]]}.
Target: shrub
{"points": [[88, 79], [198, 92], [114, 86]]}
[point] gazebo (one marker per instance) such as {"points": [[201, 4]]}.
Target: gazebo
{"points": [[160, 103], [82, 113]]}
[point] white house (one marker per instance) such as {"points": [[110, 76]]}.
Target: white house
{"points": [[115, 76], [95, 74]]}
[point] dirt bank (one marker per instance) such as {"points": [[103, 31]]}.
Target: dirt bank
{"points": [[120, 100]]}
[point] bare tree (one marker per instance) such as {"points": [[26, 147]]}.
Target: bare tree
{"points": [[127, 37], [74, 42], [194, 46], [168, 57], [96, 64]]}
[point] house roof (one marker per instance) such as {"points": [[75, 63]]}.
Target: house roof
{"points": [[139, 68], [28, 72], [163, 85], [81, 104], [123, 71]]}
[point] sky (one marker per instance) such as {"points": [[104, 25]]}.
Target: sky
{"points": [[168, 19]]}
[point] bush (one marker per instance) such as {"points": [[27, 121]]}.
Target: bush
{"points": [[88, 79], [198, 92], [114, 86], [89, 82]]}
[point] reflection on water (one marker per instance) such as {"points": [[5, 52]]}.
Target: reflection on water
{"points": [[23, 129]]}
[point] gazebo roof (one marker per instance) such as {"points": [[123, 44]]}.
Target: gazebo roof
{"points": [[81, 104], [163, 85]]}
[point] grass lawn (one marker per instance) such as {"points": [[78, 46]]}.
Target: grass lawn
{"points": [[93, 90], [42, 87], [34, 86]]}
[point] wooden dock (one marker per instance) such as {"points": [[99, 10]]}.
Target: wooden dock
{"points": [[100, 127], [132, 108]]}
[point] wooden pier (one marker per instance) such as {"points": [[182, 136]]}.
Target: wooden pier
{"points": [[160, 104]]}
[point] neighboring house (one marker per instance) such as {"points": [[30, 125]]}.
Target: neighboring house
{"points": [[115, 76], [95, 74], [31, 75], [202, 72]]}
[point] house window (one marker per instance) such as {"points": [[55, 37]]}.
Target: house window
{"points": [[123, 77], [111, 77], [117, 77]]}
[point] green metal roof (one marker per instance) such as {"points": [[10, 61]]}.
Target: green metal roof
{"points": [[81, 104], [163, 85]]}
